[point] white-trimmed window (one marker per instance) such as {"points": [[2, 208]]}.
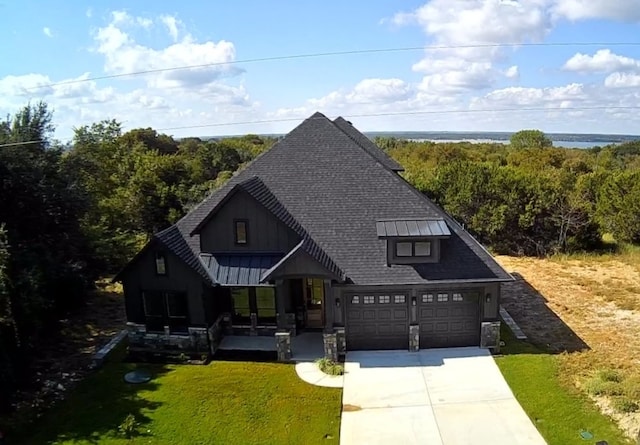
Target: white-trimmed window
{"points": [[355, 299], [399, 299], [368, 299], [443, 297], [384, 299], [457, 296], [427, 298]]}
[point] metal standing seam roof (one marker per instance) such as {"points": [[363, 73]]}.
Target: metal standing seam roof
{"points": [[229, 269], [412, 228]]}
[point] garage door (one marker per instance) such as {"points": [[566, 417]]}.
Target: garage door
{"points": [[449, 319], [377, 321]]}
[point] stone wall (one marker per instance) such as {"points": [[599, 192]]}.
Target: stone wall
{"points": [[330, 346], [283, 346], [195, 341], [490, 335], [341, 340], [414, 338]]}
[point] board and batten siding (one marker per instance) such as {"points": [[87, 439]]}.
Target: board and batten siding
{"points": [[179, 278], [265, 232]]}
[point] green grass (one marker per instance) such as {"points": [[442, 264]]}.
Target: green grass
{"points": [[220, 403], [559, 411]]}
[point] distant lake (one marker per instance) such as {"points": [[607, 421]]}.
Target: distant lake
{"points": [[566, 144]]}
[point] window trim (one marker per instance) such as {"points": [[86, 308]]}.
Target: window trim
{"points": [[398, 243], [236, 240], [421, 242]]}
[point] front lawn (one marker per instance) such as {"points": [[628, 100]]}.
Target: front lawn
{"points": [[560, 412], [221, 403]]}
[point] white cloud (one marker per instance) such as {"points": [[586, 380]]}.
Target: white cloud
{"points": [[512, 72], [89, 12], [47, 32], [603, 61], [622, 10], [465, 36], [622, 80], [124, 56], [172, 25]]}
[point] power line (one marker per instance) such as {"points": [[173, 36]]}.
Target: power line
{"points": [[334, 53], [366, 115]]}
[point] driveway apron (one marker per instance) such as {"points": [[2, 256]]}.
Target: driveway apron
{"points": [[454, 396]]}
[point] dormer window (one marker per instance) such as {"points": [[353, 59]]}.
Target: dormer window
{"points": [[413, 241], [240, 231], [161, 264]]}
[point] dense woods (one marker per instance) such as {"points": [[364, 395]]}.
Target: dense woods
{"points": [[71, 213]]}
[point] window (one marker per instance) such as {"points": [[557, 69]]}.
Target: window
{"points": [[399, 299], [177, 311], [368, 299], [427, 298], [258, 300], [166, 309], [456, 297], [355, 299], [403, 249], [443, 297], [422, 248], [315, 293], [384, 299], [266, 305], [241, 232], [241, 306], [161, 264]]}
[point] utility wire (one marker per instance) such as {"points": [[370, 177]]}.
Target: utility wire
{"points": [[366, 115], [334, 53]]}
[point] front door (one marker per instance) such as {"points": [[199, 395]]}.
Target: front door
{"points": [[314, 302]]}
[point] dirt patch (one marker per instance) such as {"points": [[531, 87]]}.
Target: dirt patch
{"points": [[350, 408], [586, 308]]}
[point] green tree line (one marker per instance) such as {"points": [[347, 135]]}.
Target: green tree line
{"points": [[528, 197], [71, 213]]}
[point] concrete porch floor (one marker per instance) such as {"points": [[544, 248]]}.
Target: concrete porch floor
{"points": [[306, 347]]}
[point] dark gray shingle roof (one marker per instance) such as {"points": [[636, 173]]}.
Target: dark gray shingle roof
{"points": [[336, 191]]}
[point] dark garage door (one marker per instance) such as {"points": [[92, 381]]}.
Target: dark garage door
{"points": [[449, 319], [377, 321]]}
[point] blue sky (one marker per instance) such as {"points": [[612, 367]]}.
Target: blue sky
{"points": [[445, 85]]}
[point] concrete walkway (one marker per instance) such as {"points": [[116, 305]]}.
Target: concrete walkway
{"points": [[453, 396]]}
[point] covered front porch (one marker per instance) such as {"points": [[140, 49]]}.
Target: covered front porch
{"points": [[306, 347]]}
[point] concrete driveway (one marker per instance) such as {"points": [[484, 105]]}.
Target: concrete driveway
{"points": [[437, 396]]}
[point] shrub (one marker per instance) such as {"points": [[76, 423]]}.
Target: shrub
{"points": [[609, 375], [625, 405], [597, 387], [330, 367], [129, 426], [631, 387]]}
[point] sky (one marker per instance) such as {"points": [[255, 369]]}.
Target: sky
{"points": [[453, 65]]}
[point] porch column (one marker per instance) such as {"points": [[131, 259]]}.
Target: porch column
{"points": [[329, 304], [281, 296]]}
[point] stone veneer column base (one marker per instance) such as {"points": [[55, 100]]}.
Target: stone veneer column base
{"points": [[490, 335], [283, 346], [414, 338], [341, 342], [330, 346]]}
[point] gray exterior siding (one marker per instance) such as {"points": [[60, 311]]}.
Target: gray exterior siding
{"points": [[142, 276], [265, 232], [302, 265]]}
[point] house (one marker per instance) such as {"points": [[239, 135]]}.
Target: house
{"points": [[319, 233]]}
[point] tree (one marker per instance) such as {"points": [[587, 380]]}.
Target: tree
{"points": [[618, 206], [530, 139]]}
